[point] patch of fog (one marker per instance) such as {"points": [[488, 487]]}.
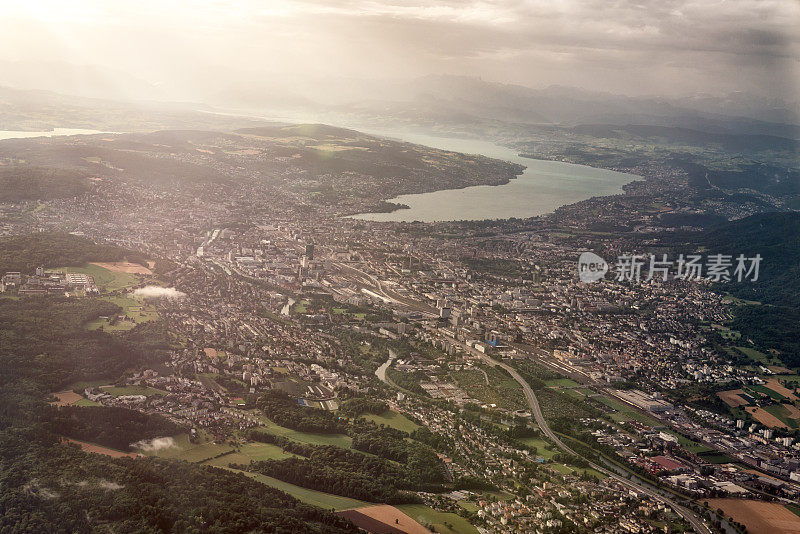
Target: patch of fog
{"points": [[34, 487], [155, 444], [158, 292], [102, 483]]}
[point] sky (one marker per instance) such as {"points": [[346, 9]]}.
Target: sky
{"points": [[192, 48]]}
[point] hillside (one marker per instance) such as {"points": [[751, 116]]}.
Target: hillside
{"points": [[24, 182], [775, 322]]}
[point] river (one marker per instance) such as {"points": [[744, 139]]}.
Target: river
{"points": [[541, 188]]}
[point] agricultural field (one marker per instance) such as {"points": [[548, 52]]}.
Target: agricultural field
{"points": [[99, 449], [393, 419], [383, 516], [760, 517], [443, 522], [771, 404]]}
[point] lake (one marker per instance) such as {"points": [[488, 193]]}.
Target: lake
{"points": [[19, 134], [541, 188]]}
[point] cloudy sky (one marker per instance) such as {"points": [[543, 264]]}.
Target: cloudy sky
{"points": [[655, 47]]}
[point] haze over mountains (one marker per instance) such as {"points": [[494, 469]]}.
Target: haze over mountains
{"points": [[437, 98]]}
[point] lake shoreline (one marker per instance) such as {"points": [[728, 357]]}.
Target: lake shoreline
{"points": [[542, 186]]}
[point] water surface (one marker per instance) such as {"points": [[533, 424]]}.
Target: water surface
{"points": [[19, 134], [541, 188]]}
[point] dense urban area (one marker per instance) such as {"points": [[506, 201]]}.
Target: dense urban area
{"points": [[206, 302]]}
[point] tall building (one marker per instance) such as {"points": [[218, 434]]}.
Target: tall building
{"points": [[310, 251]]}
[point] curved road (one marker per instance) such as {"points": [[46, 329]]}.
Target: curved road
{"points": [[698, 525]]}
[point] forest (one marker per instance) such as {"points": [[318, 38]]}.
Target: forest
{"points": [[26, 252], [28, 182], [284, 411], [50, 486], [351, 474], [110, 426]]}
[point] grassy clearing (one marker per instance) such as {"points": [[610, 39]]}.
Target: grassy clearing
{"points": [[340, 440], [191, 452], [83, 384], [116, 391], [393, 419], [255, 452], [755, 355], [468, 506], [625, 412], [203, 452], [715, 458], [107, 281], [263, 451], [86, 402], [136, 311], [540, 445], [444, 522], [561, 382], [313, 497]]}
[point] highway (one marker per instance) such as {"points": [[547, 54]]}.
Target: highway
{"points": [[373, 283], [697, 524]]}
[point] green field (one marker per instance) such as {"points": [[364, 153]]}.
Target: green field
{"points": [[107, 281], [394, 420], [774, 395], [136, 310], [540, 445], [444, 522], [469, 506], [713, 457], [625, 412], [561, 382], [313, 497], [201, 452], [340, 440], [779, 411], [255, 452], [191, 452], [301, 307], [756, 355], [116, 391], [86, 402]]}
